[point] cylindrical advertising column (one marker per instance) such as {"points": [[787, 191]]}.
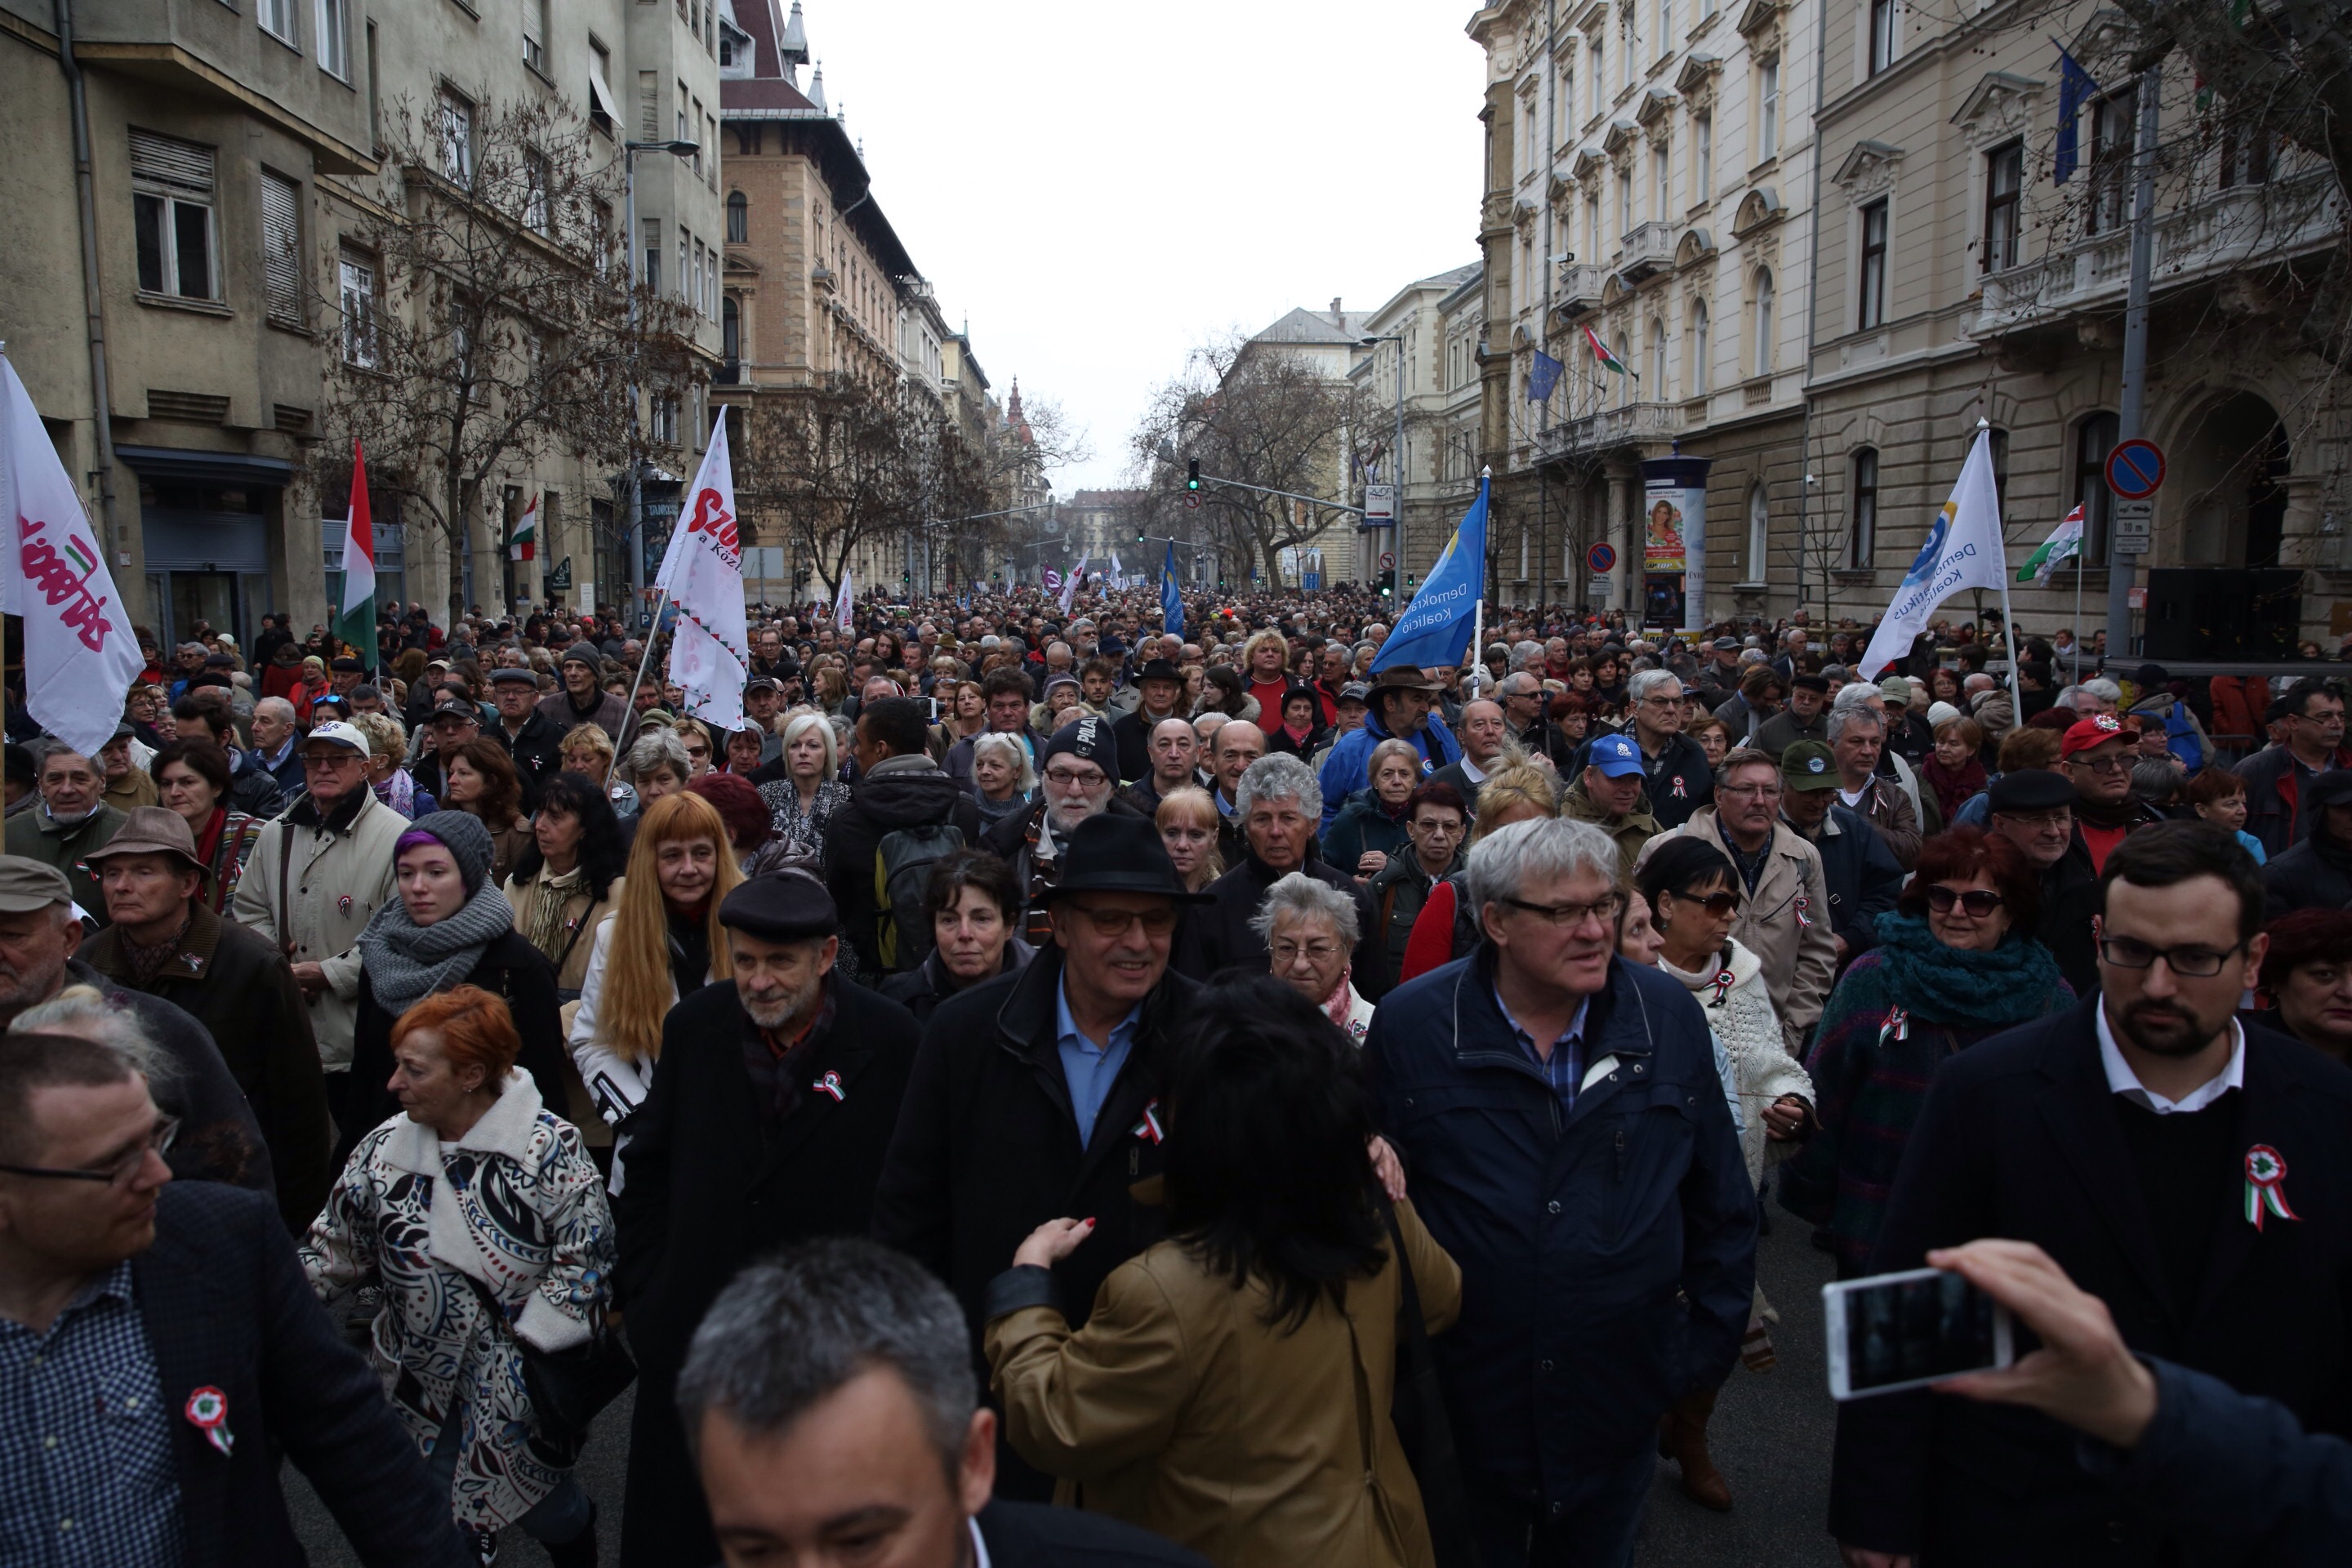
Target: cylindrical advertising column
{"points": [[1673, 543]]}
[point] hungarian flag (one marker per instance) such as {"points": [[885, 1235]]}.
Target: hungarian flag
{"points": [[523, 543], [1600, 352], [356, 621], [2066, 540]]}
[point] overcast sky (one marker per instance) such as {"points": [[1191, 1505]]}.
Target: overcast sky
{"points": [[1099, 188]]}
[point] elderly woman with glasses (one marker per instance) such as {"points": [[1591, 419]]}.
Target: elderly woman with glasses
{"points": [[1310, 929], [1954, 964]]}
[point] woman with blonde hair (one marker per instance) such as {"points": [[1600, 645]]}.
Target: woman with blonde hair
{"points": [[801, 805], [1187, 820], [663, 942], [394, 785]]}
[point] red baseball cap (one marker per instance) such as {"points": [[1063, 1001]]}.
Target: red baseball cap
{"points": [[2085, 733]]}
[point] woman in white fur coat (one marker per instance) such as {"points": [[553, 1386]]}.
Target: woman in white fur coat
{"points": [[475, 1193]]}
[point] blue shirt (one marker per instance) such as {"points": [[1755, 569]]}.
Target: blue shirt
{"points": [[86, 1478], [1565, 1070], [1087, 1067]]}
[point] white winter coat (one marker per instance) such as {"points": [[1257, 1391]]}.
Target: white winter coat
{"points": [[617, 1084], [1741, 1015]]}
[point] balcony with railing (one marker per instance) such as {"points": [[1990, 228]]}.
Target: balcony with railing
{"points": [[2220, 233], [1649, 248], [1578, 289], [1628, 425]]}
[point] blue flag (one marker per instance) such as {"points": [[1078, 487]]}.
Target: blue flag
{"points": [[1172, 603], [2075, 88], [1436, 628], [1542, 376]]}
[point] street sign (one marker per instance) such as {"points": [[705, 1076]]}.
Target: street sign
{"points": [[1388, 560], [2135, 469], [559, 580], [1598, 590], [1602, 558], [1379, 505], [2130, 526]]}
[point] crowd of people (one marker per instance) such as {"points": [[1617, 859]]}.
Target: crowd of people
{"points": [[1284, 1107]]}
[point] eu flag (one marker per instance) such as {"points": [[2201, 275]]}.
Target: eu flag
{"points": [[1543, 375], [2075, 88], [1436, 628]]}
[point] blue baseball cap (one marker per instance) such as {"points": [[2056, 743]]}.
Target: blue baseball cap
{"points": [[1616, 756]]}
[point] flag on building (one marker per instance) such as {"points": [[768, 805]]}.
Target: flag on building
{"points": [[1543, 375], [355, 616], [523, 542], [1070, 584], [2075, 88], [845, 604], [1963, 550], [81, 656], [1172, 599], [702, 573], [1600, 352], [1435, 627], [2066, 540]]}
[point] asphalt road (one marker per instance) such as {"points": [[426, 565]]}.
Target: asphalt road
{"points": [[1770, 1437]]}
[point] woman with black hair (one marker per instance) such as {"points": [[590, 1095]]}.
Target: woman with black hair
{"points": [[1232, 1389], [568, 880]]}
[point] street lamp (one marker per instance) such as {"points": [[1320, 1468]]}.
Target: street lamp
{"points": [[1396, 452], [629, 151]]}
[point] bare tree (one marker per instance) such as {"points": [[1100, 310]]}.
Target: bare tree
{"points": [[496, 333], [833, 467]]}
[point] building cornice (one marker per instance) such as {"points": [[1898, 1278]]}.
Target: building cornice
{"points": [[334, 154]]}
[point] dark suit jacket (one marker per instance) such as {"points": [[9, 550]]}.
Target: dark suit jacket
{"points": [[1034, 1535], [2018, 1138], [226, 1307]]}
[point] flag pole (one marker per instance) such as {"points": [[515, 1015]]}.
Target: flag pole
{"points": [[1479, 606], [2008, 620], [643, 659]]}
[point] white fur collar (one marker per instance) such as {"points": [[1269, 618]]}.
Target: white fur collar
{"points": [[504, 1128]]}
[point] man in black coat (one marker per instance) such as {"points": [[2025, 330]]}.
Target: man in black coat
{"points": [[529, 736], [1073, 783], [770, 1109], [1159, 686], [2191, 1173], [2033, 808], [898, 787], [1857, 866], [2317, 874], [1036, 1095], [161, 1338]]}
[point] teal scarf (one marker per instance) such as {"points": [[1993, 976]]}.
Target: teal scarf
{"points": [[2013, 983]]}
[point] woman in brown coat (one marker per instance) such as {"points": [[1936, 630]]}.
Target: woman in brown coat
{"points": [[1231, 1390]]}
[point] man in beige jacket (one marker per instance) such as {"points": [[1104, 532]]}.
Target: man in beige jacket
{"points": [[1784, 911], [316, 877]]}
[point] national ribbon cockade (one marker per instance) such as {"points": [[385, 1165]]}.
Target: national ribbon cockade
{"points": [[207, 1411], [1149, 1129], [2265, 1186], [62, 575], [1896, 1028]]}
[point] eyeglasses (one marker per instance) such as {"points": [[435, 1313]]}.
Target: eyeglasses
{"points": [[1718, 904], [1978, 901], [2061, 817], [120, 1173], [1070, 778], [1288, 953], [340, 760], [2114, 765], [1766, 790], [1570, 916], [2188, 963], [1156, 923]]}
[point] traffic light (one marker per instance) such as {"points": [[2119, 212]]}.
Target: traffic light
{"points": [[1388, 584], [1192, 475], [1139, 536]]}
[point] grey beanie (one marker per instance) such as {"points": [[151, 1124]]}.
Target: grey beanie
{"points": [[468, 841], [585, 652]]}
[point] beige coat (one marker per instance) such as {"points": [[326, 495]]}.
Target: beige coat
{"points": [[583, 920], [1792, 941], [333, 882], [1177, 1409]]}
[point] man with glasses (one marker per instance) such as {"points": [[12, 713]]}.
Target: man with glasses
{"points": [[1035, 1095], [2097, 755], [1674, 766], [2185, 1169], [529, 736], [158, 1337], [2279, 777], [1857, 867], [1073, 784], [315, 878], [1786, 920], [1527, 707], [1560, 1111], [2033, 808]]}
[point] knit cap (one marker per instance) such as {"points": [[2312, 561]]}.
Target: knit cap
{"points": [[468, 841]]}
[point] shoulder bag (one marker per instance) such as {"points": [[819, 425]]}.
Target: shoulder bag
{"points": [[1418, 1411]]}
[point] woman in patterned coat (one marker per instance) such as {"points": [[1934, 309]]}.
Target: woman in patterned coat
{"points": [[479, 1213]]}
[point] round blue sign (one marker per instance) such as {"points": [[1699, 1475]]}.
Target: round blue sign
{"points": [[2135, 469], [1602, 558]]}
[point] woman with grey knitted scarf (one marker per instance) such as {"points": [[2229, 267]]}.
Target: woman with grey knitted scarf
{"points": [[450, 926]]}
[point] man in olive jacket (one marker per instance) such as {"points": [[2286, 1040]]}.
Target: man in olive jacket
{"points": [[1035, 1095]]}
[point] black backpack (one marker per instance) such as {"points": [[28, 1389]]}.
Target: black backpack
{"points": [[902, 877]]}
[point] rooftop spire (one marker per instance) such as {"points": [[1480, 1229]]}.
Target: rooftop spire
{"points": [[817, 87], [793, 45]]}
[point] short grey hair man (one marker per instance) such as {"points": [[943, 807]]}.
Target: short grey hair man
{"points": [[1845, 716], [1524, 654], [1280, 776], [1300, 895], [1506, 860], [1858, 694], [1650, 681], [82, 1012]]}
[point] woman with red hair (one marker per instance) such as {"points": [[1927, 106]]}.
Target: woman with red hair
{"points": [[1953, 965], [751, 826], [2307, 979]]}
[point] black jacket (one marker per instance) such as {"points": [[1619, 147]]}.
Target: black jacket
{"points": [[2070, 897], [1013, 840], [1679, 781], [238, 987], [922, 988], [226, 1307], [538, 752], [220, 1139], [881, 803], [1216, 935], [2315, 874], [2018, 1138], [1860, 874], [987, 1150], [1034, 1535], [1132, 731]]}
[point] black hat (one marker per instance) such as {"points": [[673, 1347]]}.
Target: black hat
{"points": [[514, 675], [1810, 682], [585, 652], [468, 841], [782, 906], [2031, 789], [1115, 853], [1158, 669], [788, 668], [349, 665], [1089, 738], [2333, 787], [759, 683], [458, 708]]}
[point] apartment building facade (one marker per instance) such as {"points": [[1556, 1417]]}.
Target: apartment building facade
{"points": [[1422, 362]]}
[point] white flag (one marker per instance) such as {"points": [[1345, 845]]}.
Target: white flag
{"points": [[709, 650], [1070, 584], [845, 604], [1963, 550], [80, 655]]}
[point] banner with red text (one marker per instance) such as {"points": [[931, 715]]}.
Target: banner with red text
{"points": [[702, 570]]}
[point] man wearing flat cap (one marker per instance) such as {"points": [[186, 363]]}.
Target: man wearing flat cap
{"points": [[2033, 808], [770, 1113], [529, 735], [1036, 1094], [1802, 720]]}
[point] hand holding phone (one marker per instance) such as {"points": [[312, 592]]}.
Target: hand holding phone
{"points": [[1894, 1332]]}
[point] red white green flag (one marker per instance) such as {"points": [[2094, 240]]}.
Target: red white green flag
{"points": [[523, 543], [1600, 352]]}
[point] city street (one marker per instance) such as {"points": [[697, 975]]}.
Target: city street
{"points": [[1770, 1437]]}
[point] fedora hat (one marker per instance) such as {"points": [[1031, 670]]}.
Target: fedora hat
{"points": [[1115, 853], [1404, 678], [151, 830]]}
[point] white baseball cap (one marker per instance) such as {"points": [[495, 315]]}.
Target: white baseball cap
{"points": [[336, 732]]}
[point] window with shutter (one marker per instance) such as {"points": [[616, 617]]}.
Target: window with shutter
{"points": [[172, 211], [281, 247], [649, 106]]}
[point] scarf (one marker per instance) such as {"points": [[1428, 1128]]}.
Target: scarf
{"points": [[2013, 983], [1338, 1006], [406, 963], [208, 841], [547, 926], [1953, 786], [145, 959], [399, 792]]}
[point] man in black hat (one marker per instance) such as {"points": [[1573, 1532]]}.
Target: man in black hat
{"points": [[1159, 686], [583, 699], [767, 1123], [529, 736], [761, 697], [2033, 808], [1035, 1095], [346, 672], [1802, 720], [1073, 783], [455, 722]]}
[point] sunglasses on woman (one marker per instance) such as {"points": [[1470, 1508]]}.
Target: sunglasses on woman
{"points": [[1719, 903], [1978, 901]]}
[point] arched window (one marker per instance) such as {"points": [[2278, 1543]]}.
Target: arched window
{"points": [[1763, 356], [1657, 359], [1760, 530], [739, 219], [1700, 347], [731, 332], [1861, 533]]}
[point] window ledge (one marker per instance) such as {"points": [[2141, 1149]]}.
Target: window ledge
{"points": [[179, 303], [293, 329], [1748, 587], [1854, 573]]}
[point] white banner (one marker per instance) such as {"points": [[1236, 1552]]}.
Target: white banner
{"points": [[709, 650], [1963, 550], [1070, 584], [845, 603], [80, 655]]}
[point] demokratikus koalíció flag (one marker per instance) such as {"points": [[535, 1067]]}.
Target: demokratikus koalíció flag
{"points": [[1436, 628], [1963, 550]]}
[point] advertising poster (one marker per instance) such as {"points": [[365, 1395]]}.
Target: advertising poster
{"points": [[1674, 539]]}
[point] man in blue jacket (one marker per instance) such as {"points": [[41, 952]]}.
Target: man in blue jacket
{"points": [[1569, 1145], [1401, 701]]}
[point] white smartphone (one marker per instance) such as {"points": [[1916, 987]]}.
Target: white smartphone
{"points": [[1895, 1332]]}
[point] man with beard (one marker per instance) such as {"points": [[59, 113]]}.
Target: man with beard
{"points": [[1073, 783], [583, 699], [770, 1113], [2185, 1168]]}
